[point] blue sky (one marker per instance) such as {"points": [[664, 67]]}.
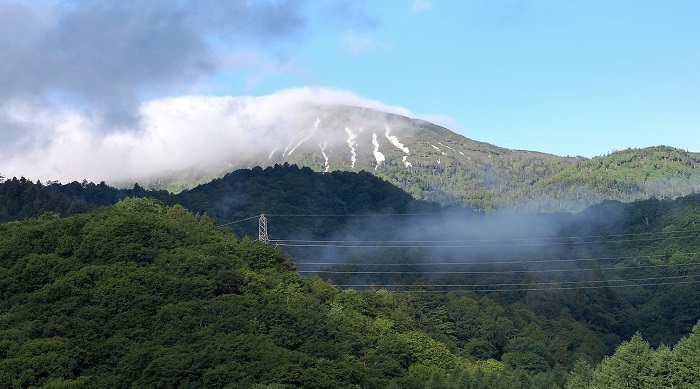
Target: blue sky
{"points": [[79, 78], [564, 77]]}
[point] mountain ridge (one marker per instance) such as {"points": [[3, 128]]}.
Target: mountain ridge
{"points": [[435, 164]]}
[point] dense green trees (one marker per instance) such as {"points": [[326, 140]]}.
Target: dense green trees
{"points": [[636, 365], [140, 294], [21, 198], [287, 189], [503, 179], [146, 294]]}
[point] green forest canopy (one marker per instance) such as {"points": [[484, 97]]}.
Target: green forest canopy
{"points": [[146, 295]]}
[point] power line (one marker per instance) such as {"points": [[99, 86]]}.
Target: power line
{"points": [[336, 215], [452, 214], [238, 221], [526, 284], [501, 242], [470, 243], [371, 243], [470, 263], [409, 272], [401, 244], [558, 238], [388, 286], [448, 214], [369, 214], [508, 271]]}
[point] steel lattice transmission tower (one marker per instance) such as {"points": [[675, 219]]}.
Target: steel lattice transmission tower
{"points": [[262, 230]]}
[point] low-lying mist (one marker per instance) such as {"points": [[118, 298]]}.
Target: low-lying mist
{"points": [[455, 249]]}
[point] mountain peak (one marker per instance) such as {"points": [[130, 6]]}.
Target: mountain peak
{"points": [[435, 164]]}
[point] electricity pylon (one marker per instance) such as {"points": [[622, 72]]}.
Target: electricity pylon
{"points": [[262, 230]]}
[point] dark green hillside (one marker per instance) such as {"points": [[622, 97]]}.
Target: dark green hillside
{"points": [[658, 243], [142, 295], [21, 198], [618, 268], [289, 190], [281, 189]]}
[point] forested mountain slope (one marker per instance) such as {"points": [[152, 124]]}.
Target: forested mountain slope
{"points": [[652, 240], [140, 294], [633, 174], [284, 190], [21, 198], [635, 265], [281, 189], [144, 295], [531, 293], [435, 164]]}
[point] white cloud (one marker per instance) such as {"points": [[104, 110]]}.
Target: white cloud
{"points": [[174, 134], [444, 121], [356, 43], [421, 5]]}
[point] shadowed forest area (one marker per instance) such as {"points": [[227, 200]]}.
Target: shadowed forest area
{"points": [[101, 288]]}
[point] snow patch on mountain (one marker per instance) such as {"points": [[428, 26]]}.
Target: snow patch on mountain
{"points": [[451, 148], [405, 162], [351, 144], [438, 149], [377, 154], [307, 138], [325, 157], [440, 143], [272, 153], [395, 141]]}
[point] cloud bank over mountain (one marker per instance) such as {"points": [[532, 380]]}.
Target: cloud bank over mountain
{"points": [[117, 90], [519, 77], [171, 134]]}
